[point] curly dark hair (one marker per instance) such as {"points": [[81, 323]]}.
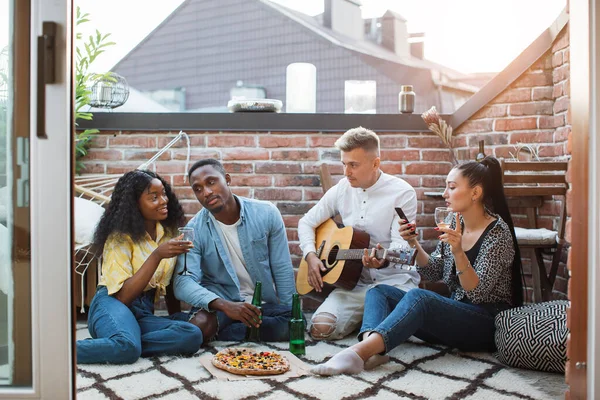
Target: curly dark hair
{"points": [[123, 214]]}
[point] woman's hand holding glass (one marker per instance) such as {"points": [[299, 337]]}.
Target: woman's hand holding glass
{"points": [[174, 247], [452, 236]]}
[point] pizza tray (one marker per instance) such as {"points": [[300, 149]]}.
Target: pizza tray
{"points": [[297, 368]]}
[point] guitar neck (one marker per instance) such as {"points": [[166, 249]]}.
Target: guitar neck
{"points": [[357, 254]]}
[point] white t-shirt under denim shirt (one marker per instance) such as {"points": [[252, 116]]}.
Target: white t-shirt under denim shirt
{"points": [[370, 210], [232, 241]]}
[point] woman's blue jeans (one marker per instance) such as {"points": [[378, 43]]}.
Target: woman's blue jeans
{"points": [[121, 334], [397, 315]]}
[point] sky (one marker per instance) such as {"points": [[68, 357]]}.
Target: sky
{"points": [[467, 35]]}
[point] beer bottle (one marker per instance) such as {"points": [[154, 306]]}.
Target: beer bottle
{"points": [[253, 334], [480, 155], [297, 327]]}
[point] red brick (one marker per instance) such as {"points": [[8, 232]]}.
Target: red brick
{"points": [[534, 79], [459, 141], [282, 141], [292, 235], [425, 142], [515, 124], [108, 155], [553, 121], [557, 59], [242, 191], [144, 155], [146, 142], [503, 151], [476, 126], [558, 90], [99, 141], [425, 221], [179, 180], [414, 181], [231, 141], [238, 168], [93, 168], [297, 180], [245, 154], [121, 167], [315, 168], [433, 181], [425, 168], [391, 168], [566, 55], [429, 234], [543, 63], [295, 155], [489, 139], [195, 141], [295, 249], [567, 87], [195, 154], [531, 137], [191, 207], [561, 104], [561, 73], [323, 141], [518, 95], [550, 207], [278, 194], [184, 193], [312, 194], [493, 111], [561, 134], [400, 155], [552, 150], [278, 168], [429, 206], [562, 41], [291, 221], [251, 180], [393, 142], [170, 167], [537, 108], [435, 155], [542, 93]]}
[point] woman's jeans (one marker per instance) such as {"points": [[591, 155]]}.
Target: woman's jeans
{"points": [[397, 315], [121, 334]]}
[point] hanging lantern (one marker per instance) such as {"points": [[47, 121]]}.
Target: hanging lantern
{"points": [[108, 91]]}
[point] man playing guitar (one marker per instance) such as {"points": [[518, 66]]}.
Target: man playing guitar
{"points": [[365, 199]]}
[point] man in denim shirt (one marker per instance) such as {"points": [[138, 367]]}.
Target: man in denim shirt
{"points": [[237, 242]]}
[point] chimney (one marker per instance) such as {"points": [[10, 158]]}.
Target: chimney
{"points": [[345, 17], [417, 45], [394, 33]]}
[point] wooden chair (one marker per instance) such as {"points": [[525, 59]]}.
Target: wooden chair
{"points": [[526, 183]]}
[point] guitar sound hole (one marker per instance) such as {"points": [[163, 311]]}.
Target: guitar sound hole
{"points": [[332, 256]]}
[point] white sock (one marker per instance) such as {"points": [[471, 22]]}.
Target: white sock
{"points": [[344, 362], [375, 361]]}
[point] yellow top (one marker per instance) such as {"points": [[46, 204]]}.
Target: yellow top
{"points": [[122, 258]]}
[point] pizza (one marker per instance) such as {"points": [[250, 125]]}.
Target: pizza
{"points": [[243, 361]]}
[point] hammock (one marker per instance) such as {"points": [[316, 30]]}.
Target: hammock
{"points": [[98, 188]]}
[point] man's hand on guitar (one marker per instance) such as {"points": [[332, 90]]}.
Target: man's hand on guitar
{"points": [[314, 275], [370, 261]]}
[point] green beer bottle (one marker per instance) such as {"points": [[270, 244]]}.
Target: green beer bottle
{"points": [[253, 334], [297, 327]]}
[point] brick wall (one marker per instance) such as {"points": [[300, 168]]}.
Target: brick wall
{"points": [[283, 167]]}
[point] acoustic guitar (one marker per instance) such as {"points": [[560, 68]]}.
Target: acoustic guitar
{"points": [[341, 251]]}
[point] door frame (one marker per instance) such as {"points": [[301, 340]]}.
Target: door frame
{"points": [[51, 194]]}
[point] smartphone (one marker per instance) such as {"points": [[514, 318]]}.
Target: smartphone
{"points": [[403, 216]]}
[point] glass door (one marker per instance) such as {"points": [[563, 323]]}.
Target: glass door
{"points": [[35, 199]]}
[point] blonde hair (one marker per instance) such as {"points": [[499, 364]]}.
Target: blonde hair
{"points": [[356, 138]]}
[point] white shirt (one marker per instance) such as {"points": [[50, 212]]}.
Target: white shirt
{"points": [[232, 241], [372, 211]]}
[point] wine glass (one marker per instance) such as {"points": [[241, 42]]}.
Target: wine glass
{"points": [[188, 236], [441, 215]]}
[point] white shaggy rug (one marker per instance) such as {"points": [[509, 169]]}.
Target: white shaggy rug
{"points": [[416, 371]]}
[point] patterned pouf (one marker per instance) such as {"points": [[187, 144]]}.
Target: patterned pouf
{"points": [[533, 336]]}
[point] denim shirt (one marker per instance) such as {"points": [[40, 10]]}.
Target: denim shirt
{"points": [[265, 249]]}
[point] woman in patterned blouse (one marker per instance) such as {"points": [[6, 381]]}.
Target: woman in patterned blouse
{"points": [[480, 262], [137, 237]]}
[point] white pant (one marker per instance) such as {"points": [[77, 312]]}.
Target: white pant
{"points": [[347, 306]]}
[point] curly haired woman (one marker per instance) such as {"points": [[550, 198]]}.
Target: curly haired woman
{"points": [[137, 237]]}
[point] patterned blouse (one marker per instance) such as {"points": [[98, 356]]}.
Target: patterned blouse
{"points": [[492, 266], [122, 258]]}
